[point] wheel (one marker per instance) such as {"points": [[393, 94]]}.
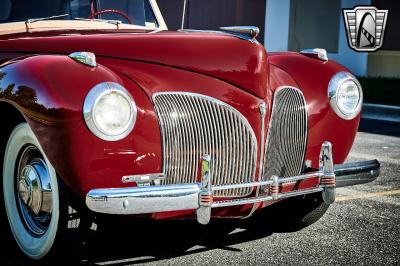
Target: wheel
{"points": [[296, 213], [36, 203]]}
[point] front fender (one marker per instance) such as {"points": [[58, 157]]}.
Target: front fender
{"points": [[49, 90], [312, 77]]}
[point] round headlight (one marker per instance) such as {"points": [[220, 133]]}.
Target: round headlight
{"points": [[345, 95], [109, 111]]}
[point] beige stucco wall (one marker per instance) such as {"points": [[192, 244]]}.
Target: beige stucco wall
{"points": [[384, 64]]}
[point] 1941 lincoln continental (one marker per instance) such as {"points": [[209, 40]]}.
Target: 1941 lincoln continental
{"points": [[105, 111]]}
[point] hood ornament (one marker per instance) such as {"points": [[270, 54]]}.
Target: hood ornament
{"points": [[250, 32]]}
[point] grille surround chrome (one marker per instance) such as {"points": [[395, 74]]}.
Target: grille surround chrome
{"points": [[202, 113], [300, 131]]}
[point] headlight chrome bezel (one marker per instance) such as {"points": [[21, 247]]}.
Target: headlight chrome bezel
{"points": [[333, 88], [92, 99]]}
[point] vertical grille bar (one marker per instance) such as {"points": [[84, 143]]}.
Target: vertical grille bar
{"points": [[287, 134], [193, 125]]}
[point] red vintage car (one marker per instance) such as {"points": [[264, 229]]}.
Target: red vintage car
{"points": [[105, 111]]}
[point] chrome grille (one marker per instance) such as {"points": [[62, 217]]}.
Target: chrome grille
{"points": [[193, 125], [287, 134]]}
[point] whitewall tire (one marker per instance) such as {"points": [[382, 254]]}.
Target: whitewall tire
{"points": [[31, 193]]}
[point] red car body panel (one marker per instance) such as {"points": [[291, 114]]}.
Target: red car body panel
{"points": [[234, 71], [239, 62]]}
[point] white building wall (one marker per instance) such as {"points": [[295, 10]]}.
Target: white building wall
{"points": [[277, 19]]}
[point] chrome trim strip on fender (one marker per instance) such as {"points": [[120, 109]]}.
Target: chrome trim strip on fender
{"points": [[86, 58], [318, 53]]}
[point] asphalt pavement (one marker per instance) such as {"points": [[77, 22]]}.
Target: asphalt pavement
{"points": [[361, 228]]}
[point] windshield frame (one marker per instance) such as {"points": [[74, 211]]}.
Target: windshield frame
{"points": [[158, 18]]}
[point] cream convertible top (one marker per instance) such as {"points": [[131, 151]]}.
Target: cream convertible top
{"points": [[51, 25]]}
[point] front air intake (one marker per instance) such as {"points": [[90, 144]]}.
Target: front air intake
{"points": [[287, 134], [193, 125]]}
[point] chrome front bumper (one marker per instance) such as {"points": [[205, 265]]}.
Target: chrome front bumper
{"points": [[199, 196]]}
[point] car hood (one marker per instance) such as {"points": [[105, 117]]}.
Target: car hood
{"points": [[225, 57]]}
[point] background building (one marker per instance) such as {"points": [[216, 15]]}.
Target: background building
{"points": [[294, 25]]}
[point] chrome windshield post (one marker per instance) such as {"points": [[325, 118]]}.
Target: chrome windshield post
{"points": [[328, 180], [205, 195]]}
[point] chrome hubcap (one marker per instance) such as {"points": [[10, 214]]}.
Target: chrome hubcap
{"points": [[34, 192]]}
